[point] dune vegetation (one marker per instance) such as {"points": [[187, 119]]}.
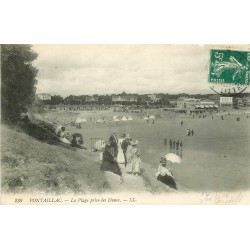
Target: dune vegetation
{"points": [[30, 165]]}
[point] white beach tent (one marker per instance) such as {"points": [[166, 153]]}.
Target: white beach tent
{"points": [[145, 118], [152, 117], [99, 121], [124, 118], [116, 120], [130, 118], [114, 117], [80, 120]]}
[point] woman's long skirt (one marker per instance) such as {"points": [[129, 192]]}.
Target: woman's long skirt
{"points": [[134, 166], [167, 180], [111, 167]]}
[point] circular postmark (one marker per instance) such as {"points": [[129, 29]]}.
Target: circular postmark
{"points": [[229, 71]]}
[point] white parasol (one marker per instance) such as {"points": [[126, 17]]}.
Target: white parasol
{"points": [[173, 158]]}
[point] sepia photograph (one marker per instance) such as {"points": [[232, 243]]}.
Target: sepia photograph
{"points": [[125, 124]]}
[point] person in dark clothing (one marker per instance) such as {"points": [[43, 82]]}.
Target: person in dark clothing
{"points": [[124, 146], [170, 143], [180, 154], [165, 142], [25, 119], [114, 144], [168, 180], [78, 125], [181, 123], [173, 143], [109, 163], [181, 144], [192, 132], [177, 144], [77, 141]]}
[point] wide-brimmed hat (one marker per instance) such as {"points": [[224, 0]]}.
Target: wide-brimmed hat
{"points": [[107, 143], [163, 160], [128, 136], [134, 143]]}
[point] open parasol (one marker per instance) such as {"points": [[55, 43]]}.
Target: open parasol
{"points": [[173, 158]]}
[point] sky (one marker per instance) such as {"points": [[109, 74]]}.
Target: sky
{"points": [[104, 69]]}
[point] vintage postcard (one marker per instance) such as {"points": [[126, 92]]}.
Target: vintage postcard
{"points": [[125, 124]]}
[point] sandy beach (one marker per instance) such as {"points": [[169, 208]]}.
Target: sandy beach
{"points": [[214, 159]]}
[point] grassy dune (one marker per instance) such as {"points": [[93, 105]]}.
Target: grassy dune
{"points": [[29, 165]]}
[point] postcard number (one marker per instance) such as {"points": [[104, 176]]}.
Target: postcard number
{"points": [[18, 200]]}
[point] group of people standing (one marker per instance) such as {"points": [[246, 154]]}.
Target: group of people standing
{"points": [[176, 146], [190, 132], [121, 150], [173, 144]]}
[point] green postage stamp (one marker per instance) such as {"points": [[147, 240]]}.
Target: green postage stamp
{"points": [[229, 67]]}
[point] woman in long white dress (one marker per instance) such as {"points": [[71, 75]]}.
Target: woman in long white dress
{"points": [[120, 156], [133, 159]]}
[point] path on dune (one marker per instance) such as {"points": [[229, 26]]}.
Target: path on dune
{"points": [[146, 183], [131, 183]]}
